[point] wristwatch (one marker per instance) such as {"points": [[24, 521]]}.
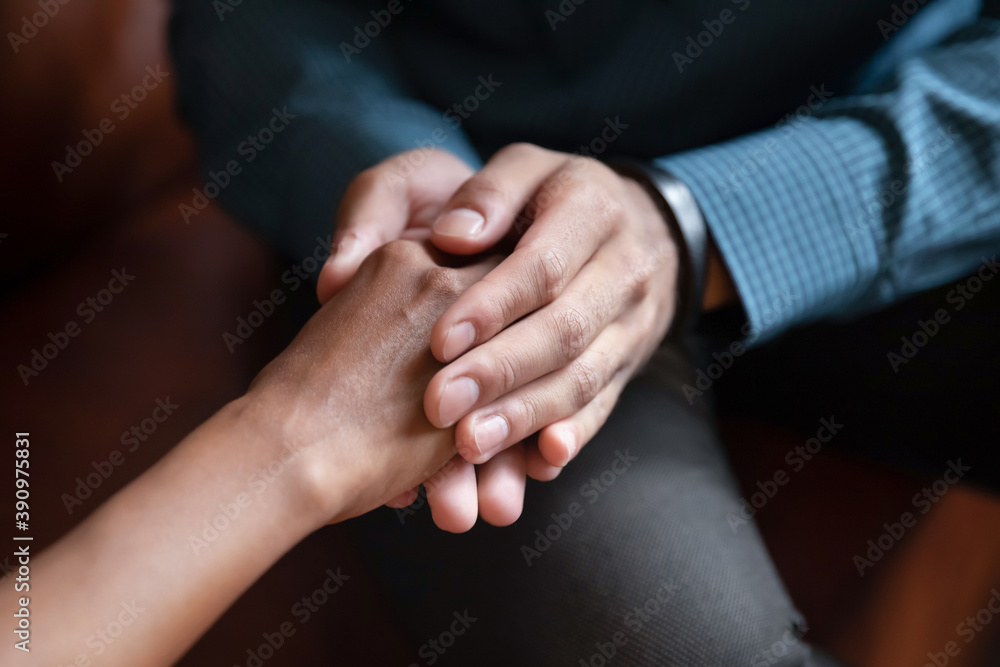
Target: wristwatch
{"points": [[687, 226]]}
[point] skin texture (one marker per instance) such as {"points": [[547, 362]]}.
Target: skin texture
{"points": [[338, 414], [543, 344]]}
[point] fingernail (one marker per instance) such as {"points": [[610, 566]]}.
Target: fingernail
{"points": [[459, 338], [460, 222], [346, 248], [490, 434], [458, 397]]}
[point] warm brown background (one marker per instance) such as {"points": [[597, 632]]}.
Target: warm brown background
{"points": [[162, 337]]}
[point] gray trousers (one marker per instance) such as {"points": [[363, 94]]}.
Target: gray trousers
{"points": [[630, 557]]}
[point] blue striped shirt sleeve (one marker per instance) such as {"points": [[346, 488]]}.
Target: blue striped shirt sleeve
{"points": [[856, 202]]}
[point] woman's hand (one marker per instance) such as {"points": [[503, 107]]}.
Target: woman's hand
{"points": [[329, 430], [345, 396]]}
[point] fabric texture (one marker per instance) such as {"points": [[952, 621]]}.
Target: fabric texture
{"points": [[847, 154], [630, 557]]}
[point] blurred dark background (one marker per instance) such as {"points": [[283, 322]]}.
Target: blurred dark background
{"points": [[161, 338]]}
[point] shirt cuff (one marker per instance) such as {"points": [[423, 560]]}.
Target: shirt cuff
{"points": [[782, 206]]}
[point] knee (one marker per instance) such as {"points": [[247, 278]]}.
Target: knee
{"points": [[674, 624]]}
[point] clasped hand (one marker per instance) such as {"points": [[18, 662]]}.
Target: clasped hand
{"points": [[545, 341]]}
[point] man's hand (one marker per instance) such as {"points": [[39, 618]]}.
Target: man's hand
{"points": [[547, 340], [595, 270]]}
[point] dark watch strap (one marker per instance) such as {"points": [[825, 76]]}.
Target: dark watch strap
{"points": [[687, 225]]}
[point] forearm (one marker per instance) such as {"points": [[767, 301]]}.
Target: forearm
{"points": [[168, 554], [855, 205], [329, 430]]}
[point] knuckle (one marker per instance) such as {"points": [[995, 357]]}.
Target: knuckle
{"points": [[552, 266], [365, 182], [396, 252], [482, 192], [586, 382], [639, 272], [520, 150], [494, 316], [528, 413], [594, 168], [608, 209], [441, 281], [573, 331], [495, 301], [505, 374], [396, 260], [501, 301]]}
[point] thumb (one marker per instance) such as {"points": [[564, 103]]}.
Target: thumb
{"points": [[398, 198], [372, 213]]}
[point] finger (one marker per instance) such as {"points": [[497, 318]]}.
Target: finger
{"points": [[485, 206], [404, 499], [510, 419], [561, 441], [542, 342], [501, 487], [547, 258], [451, 494], [380, 204], [537, 467]]}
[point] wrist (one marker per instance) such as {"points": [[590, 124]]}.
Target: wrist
{"points": [[719, 287], [682, 217], [304, 489]]}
